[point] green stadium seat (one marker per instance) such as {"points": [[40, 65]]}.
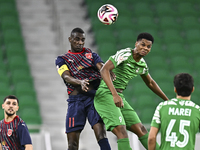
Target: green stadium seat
{"points": [[24, 88], [18, 64], [160, 75], [28, 103], [192, 35], [1, 112], [5, 90], [168, 22], [175, 49], [139, 88], [147, 115], [144, 101], [4, 78], [21, 75], [187, 8], [172, 36], [146, 22], [31, 116], [180, 63], [123, 22], [126, 35], [123, 8], [106, 49], [7, 21], [104, 35], [168, 88], [157, 49], [189, 22], [156, 62], [13, 36], [15, 49], [141, 8], [6, 1], [8, 12], [164, 8], [127, 44]]}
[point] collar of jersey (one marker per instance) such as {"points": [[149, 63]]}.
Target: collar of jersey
{"points": [[11, 121], [78, 52]]}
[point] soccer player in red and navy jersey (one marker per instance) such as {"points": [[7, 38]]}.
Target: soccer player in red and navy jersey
{"points": [[14, 134], [79, 69]]}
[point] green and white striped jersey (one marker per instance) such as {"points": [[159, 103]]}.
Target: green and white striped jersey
{"points": [[178, 121], [126, 68]]}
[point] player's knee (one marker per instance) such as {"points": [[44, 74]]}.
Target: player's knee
{"points": [[73, 145], [120, 132]]}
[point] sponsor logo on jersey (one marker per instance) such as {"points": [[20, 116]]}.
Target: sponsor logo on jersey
{"points": [[71, 60], [9, 133], [3, 143], [88, 55]]}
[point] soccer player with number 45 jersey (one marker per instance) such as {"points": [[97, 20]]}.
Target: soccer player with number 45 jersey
{"points": [[178, 119]]}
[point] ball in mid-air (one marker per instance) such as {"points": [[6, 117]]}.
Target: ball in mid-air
{"points": [[107, 14]]}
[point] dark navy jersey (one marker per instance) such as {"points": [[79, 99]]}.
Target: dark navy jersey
{"points": [[81, 66], [14, 135]]}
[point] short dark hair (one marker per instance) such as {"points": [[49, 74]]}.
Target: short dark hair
{"points": [[79, 30], [11, 97], [146, 36], [184, 83]]}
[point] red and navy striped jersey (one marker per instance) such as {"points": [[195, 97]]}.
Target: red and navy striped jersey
{"points": [[81, 65], [14, 135]]}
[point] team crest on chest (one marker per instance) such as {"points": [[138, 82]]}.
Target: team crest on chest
{"points": [[88, 55], [9, 133]]}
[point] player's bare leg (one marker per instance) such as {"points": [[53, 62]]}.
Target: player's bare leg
{"points": [[142, 134], [100, 133], [138, 129], [73, 140], [122, 136]]}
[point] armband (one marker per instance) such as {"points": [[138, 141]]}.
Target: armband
{"points": [[62, 69]]}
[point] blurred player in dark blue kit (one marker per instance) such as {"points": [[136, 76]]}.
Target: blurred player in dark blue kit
{"points": [[14, 134], [79, 69]]}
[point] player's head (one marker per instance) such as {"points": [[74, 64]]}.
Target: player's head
{"points": [[77, 39], [143, 44], [10, 105], [146, 36], [184, 84]]}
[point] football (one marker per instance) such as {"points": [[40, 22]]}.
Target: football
{"points": [[107, 14]]}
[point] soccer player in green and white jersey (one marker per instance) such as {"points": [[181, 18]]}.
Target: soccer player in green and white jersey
{"points": [[109, 100], [178, 119]]}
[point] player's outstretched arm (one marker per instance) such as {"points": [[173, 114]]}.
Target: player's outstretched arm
{"points": [[105, 74], [28, 147], [154, 86], [1, 147]]}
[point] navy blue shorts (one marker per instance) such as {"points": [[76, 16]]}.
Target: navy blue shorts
{"points": [[80, 107]]}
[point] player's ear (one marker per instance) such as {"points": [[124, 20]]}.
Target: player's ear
{"points": [[175, 90], [193, 89], [70, 39], [136, 43], [2, 106]]}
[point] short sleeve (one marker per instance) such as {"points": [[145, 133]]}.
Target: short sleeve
{"points": [[96, 58], [23, 134], [156, 121], [120, 56], [59, 61]]}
